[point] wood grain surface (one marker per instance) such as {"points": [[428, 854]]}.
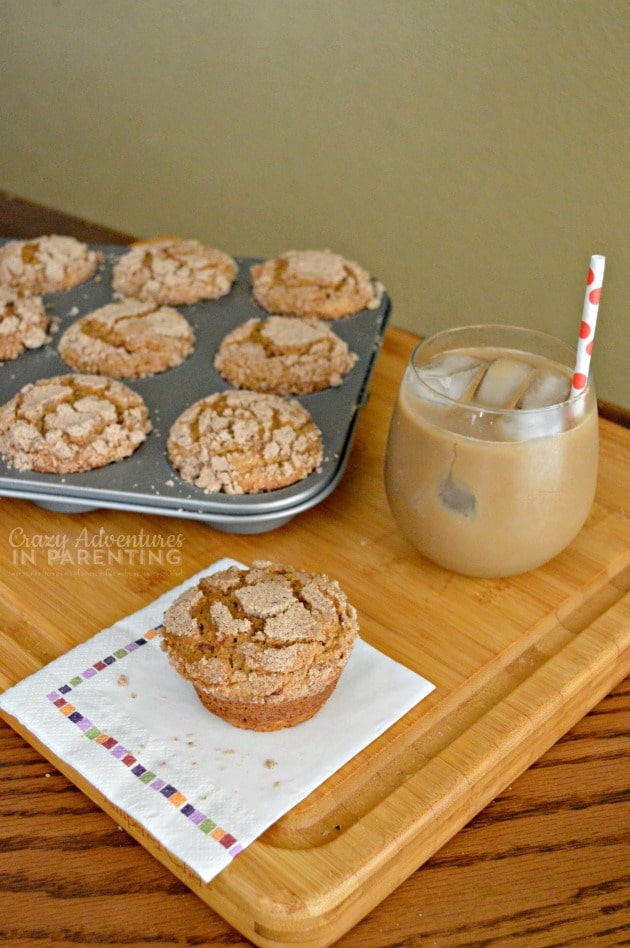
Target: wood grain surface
{"points": [[546, 863]]}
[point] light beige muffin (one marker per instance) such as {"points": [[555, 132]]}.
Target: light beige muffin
{"points": [[316, 283], [24, 323], [263, 647], [46, 264], [286, 355], [243, 442], [130, 339], [175, 272], [71, 423]]}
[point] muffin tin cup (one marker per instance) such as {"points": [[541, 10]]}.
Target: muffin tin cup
{"points": [[146, 482]]}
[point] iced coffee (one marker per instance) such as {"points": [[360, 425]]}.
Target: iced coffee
{"points": [[491, 466]]}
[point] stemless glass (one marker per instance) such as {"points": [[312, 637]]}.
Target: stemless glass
{"points": [[482, 490]]}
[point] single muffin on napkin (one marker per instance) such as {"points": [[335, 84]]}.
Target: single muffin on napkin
{"points": [[264, 647]]}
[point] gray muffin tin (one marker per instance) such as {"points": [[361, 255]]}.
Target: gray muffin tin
{"points": [[146, 482]]}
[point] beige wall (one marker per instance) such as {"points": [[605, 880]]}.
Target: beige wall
{"points": [[471, 153]]}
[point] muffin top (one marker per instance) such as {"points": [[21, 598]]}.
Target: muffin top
{"points": [[24, 323], [266, 634], [71, 423], [316, 283], [243, 442], [129, 339], [174, 271], [46, 264], [287, 355]]}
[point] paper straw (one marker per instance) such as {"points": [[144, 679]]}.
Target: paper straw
{"points": [[589, 321]]}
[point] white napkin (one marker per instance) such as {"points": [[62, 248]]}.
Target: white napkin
{"points": [[118, 713]]}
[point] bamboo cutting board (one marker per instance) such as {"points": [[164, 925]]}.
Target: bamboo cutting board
{"points": [[515, 663]]}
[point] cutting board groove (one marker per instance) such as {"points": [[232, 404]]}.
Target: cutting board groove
{"points": [[400, 800], [516, 663]]}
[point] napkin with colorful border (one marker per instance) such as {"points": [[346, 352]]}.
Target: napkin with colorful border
{"points": [[118, 713]]}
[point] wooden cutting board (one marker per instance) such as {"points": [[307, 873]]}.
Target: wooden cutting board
{"points": [[515, 662]]}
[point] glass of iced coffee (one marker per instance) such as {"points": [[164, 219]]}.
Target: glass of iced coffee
{"points": [[491, 463]]}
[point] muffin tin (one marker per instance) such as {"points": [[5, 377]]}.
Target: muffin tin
{"points": [[146, 482]]}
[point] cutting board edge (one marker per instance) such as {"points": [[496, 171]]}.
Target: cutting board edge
{"points": [[316, 924], [279, 926]]}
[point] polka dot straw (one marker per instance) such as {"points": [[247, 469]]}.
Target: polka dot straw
{"points": [[589, 321]]}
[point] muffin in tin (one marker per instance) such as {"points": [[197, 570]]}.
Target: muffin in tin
{"points": [[243, 442], [46, 264], [316, 283], [24, 323], [71, 423], [174, 272], [286, 355], [130, 339]]}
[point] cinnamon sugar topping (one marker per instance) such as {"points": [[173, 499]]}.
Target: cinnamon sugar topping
{"points": [[244, 442], [71, 423], [316, 283], [24, 323], [266, 641], [46, 264], [174, 272], [130, 339], [283, 354]]}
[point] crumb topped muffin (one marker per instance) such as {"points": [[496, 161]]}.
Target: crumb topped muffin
{"points": [[24, 323], [316, 283], [287, 355], [129, 339], [242, 442], [173, 271], [263, 647], [46, 264], [71, 423]]}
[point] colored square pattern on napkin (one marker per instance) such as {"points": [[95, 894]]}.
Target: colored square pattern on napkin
{"points": [[115, 711]]}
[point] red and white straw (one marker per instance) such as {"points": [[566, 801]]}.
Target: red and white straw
{"points": [[589, 321]]}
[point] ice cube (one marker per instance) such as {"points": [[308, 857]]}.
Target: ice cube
{"points": [[457, 497], [546, 387], [502, 383], [526, 425], [451, 374]]}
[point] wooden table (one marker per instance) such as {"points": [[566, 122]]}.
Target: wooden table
{"points": [[545, 863]]}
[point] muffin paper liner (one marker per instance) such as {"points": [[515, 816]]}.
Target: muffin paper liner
{"points": [[115, 711]]}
